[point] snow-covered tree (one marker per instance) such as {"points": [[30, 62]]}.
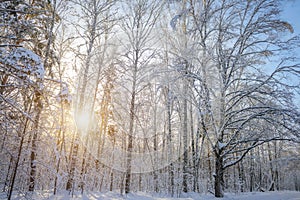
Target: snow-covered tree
{"points": [[241, 88], [24, 35], [95, 19], [135, 63]]}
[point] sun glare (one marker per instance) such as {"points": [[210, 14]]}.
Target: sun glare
{"points": [[82, 121]]}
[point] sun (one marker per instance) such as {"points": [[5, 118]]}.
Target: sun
{"points": [[82, 120]]}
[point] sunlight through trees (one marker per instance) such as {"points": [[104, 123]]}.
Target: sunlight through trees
{"points": [[169, 97]]}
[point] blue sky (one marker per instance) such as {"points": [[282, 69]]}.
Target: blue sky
{"points": [[291, 14]]}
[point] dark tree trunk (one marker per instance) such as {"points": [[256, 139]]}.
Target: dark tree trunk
{"points": [[155, 175], [169, 142], [219, 180], [16, 166], [210, 170], [74, 152], [111, 186], [241, 176], [185, 148], [82, 173], [128, 168], [252, 175]]}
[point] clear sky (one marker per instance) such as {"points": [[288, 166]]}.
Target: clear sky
{"points": [[291, 13]]}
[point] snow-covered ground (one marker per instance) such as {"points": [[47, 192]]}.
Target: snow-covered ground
{"points": [[279, 195]]}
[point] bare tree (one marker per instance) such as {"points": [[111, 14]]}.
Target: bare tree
{"points": [[96, 17], [138, 23]]}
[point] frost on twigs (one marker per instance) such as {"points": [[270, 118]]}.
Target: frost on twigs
{"points": [[23, 63], [173, 22], [64, 95]]}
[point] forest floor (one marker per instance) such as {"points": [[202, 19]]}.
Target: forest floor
{"points": [[278, 195]]}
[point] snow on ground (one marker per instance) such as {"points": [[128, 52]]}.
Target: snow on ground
{"points": [[279, 195]]}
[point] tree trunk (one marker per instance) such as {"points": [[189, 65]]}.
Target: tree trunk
{"points": [[7, 174], [14, 173], [252, 175], [57, 168], [219, 181], [130, 142], [113, 158], [155, 175], [210, 170], [33, 163], [111, 181], [131, 121], [155, 148], [38, 110], [272, 181], [83, 165], [185, 110], [60, 142], [128, 168], [169, 143], [185, 148], [74, 151], [241, 176]]}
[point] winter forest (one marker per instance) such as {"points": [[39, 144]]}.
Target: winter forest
{"points": [[158, 96]]}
